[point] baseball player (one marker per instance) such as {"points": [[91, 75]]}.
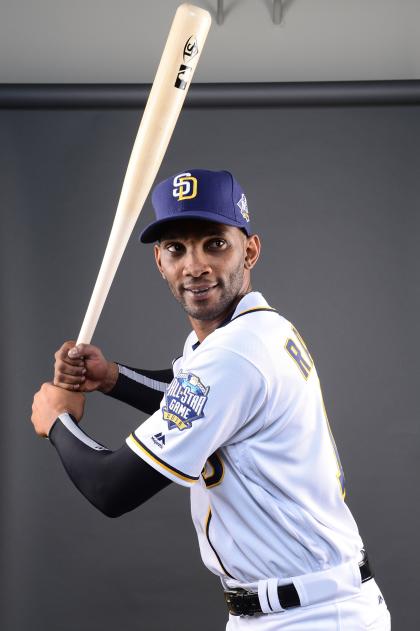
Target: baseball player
{"points": [[239, 419]]}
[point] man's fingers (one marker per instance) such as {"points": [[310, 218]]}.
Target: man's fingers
{"points": [[68, 379], [64, 349], [72, 387], [74, 362], [63, 368], [84, 351], [79, 351], [62, 356]]}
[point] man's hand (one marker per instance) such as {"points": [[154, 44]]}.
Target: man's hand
{"points": [[83, 368], [49, 402]]}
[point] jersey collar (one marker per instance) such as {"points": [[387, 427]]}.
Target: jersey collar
{"points": [[254, 301], [251, 302]]}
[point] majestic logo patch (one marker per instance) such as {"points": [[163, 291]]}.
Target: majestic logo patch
{"points": [[243, 206], [185, 399], [159, 440], [185, 186]]}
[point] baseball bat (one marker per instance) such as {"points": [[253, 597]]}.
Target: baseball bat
{"points": [[173, 77]]}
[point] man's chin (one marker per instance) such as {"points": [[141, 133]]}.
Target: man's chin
{"points": [[216, 306], [202, 312], [205, 310]]}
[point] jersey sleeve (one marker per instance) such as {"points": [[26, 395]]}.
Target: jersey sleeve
{"points": [[218, 398]]}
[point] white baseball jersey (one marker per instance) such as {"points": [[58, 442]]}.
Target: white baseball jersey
{"points": [[244, 425]]}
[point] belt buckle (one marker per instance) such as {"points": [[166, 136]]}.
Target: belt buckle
{"points": [[237, 603], [234, 601]]}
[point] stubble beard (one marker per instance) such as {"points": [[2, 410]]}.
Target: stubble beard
{"points": [[228, 291]]}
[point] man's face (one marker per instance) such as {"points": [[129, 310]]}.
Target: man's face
{"points": [[206, 265]]}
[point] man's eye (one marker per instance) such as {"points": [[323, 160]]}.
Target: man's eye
{"points": [[175, 248], [217, 244]]}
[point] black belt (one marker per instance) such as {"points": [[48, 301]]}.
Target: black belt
{"points": [[243, 603]]}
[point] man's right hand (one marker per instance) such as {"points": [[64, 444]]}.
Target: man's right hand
{"points": [[83, 368]]}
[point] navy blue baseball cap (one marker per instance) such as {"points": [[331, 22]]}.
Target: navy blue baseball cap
{"points": [[198, 194]]}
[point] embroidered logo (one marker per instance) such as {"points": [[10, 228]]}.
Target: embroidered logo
{"points": [[185, 186], [185, 399], [159, 440], [243, 206]]}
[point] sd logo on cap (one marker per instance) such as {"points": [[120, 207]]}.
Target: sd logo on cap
{"points": [[198, 194]]}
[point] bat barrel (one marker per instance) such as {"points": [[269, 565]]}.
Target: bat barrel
{"points": [[173, 77]]}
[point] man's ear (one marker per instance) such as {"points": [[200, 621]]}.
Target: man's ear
{"points": [[156, 249], [252, 252]]}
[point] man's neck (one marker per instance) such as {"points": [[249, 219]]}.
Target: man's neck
{"points": [[203, 328]]}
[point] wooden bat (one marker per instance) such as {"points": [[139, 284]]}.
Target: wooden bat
{"points": [[173, 77]]}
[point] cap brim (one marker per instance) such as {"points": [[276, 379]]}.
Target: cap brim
{"points": [[154, 230]]}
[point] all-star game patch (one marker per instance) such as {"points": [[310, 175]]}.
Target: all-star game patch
{"points": [[185, 399], [243, 206]]}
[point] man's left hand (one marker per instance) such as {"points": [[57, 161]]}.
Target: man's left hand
{"points": [[49, 402]]}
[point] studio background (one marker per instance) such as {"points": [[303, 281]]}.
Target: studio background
{"points": [[334, 192]]}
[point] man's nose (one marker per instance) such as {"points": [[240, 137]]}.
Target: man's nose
{"points": [[196, 263]]}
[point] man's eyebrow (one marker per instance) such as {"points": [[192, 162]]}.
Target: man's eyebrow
{"points": [[176, 236]]}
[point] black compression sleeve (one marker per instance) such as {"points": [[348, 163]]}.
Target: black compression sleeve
{"points": [[115, 482], [140, 388]]}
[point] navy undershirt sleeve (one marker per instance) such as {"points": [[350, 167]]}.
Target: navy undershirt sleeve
{"points": [[141, 388], [115, 482]]}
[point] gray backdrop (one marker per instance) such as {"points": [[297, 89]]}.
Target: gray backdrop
{"points": [[334, 194]]}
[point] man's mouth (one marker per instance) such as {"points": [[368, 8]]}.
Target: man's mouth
{"points": [[200, 290]]}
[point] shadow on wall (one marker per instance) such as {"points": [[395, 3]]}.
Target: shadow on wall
{"points": [[277, 9]]}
